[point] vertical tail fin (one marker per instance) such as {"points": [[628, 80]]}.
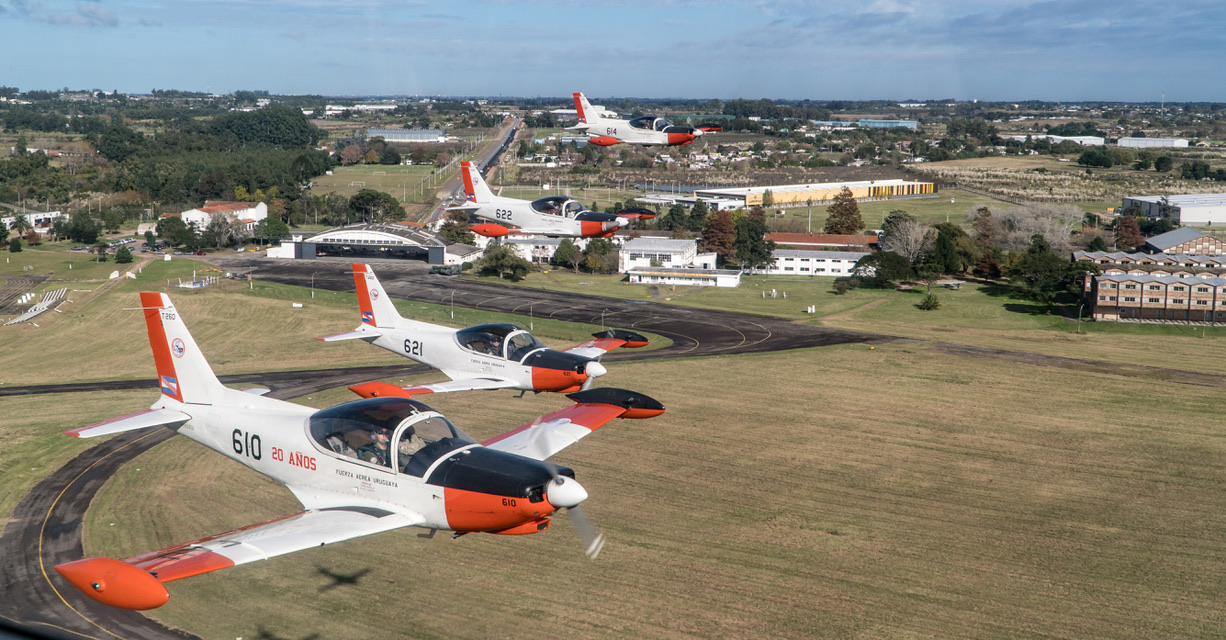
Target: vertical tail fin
{"points": [[475, 189], [377, 308], [183, 373], [583, 108]]}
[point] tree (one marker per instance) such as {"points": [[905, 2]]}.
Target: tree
{"points": [[111, 220], [372, 157], [1163, 164], [753, 250], [4, 235], [15, 245], [698, 216], [351, 154], [596, 255], [150, 239], [988, 267], [945, 255], [675, 218], [224, 231], [1128, 233], [389, 156], [1097, 244], [768, 198], [123, 255], [270, 229], [170, 229], [908, 238], [455, 228], [99, 250], [883, 268], [568, 253], [1040, 273], [376, 206], [844, 215], [21, 224], [504, 261], [719, 237]]}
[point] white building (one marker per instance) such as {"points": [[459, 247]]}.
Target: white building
{"points": [[689, 277], [662, 252], [40, 220], [1152, 142], [1189, 210], [538, 249], [798, 262], [248, 213], [1085, 141]]}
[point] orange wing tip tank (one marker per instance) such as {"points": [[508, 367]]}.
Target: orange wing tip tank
{"points": [[115, 583]]}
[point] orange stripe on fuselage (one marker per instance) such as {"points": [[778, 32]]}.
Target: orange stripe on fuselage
{"points": [[469, 190], [151, 303], [473, 511], [544, 379]]}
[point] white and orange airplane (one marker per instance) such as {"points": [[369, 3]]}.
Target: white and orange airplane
{"points": [[650, 130], [485, 356], [553, 216], [358, 468]]}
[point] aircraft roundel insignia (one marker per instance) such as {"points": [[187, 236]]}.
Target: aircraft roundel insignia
{"points": [[177, 348], [374, 294]]}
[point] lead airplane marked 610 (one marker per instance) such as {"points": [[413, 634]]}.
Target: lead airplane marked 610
{"points": [[350, 479], [485, 356]]}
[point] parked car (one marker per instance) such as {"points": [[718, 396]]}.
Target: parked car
{"points": [[446, 269], [199, 253]]}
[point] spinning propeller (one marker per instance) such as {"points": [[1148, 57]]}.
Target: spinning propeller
{"points": [[564, 492]]}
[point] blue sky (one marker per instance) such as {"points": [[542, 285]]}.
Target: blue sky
{"points": [[1069, 50]]}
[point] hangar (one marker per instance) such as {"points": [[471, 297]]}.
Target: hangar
{"points": [[382, 240], [792, 195]]}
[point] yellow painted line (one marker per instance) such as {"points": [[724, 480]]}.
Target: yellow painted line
{"points": [[42, 530]]}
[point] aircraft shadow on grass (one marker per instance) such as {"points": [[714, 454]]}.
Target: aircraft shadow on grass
{"points": [[340, 579]]}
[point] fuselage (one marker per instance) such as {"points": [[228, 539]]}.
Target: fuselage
{"points": [[450, 483], [486, 351]]}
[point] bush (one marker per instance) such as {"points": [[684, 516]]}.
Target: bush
{"points": [[930, 302], [841, 287], [15, 245]]}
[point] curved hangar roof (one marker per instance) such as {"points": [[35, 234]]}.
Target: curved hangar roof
{"points": [[386, 234]]}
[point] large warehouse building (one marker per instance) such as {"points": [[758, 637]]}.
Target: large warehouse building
{"points": [[801, 194], [1152, 142], [1189, 210]]}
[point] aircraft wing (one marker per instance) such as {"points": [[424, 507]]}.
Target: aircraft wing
{"points": [[606, 341], [136, 583], [466, 208], [384, 389], [592, 409]]}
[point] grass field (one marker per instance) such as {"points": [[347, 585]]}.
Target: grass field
{"points": [[897, 492], [403, 181]]}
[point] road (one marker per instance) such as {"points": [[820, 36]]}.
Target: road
{"points": [[46, 525]]}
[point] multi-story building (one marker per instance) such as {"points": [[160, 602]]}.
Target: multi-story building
{"points": [[1158, 297], [793, 262]]}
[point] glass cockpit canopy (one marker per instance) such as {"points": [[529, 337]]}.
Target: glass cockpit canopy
{"points": [[499, 339], [650, 122], [557, 206], [421, 435]]}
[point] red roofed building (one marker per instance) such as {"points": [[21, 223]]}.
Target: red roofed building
{"points": [[824, 241], [247, 213]]}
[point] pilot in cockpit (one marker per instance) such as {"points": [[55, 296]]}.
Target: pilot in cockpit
{"points": [[378, 451]]}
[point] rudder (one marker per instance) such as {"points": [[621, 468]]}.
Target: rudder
{"points": [[376, 307], [475, 189], [183, 372]]}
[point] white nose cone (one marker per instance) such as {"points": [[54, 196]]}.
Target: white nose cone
{"points": [[595, 369], [564, 493], [698, 132], [621, 222]]}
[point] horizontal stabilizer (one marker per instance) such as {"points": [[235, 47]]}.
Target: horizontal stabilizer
{"points": [[132, 421], [366, 335]]}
